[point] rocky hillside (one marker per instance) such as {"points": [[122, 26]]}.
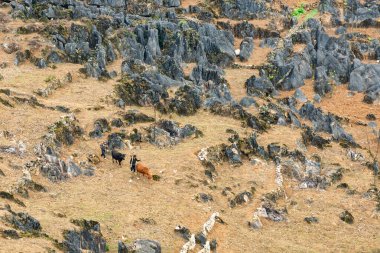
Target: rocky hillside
{"points": [[257, 122]]}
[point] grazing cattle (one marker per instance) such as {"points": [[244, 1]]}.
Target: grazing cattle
{"points": [[117, 156], [145, 171]]}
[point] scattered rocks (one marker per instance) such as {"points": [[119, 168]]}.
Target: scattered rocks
{"points": [[10, 234], [241, 199], [347, 217], [117, 122], [268, 211], [10, 48], [25, 184], [204, 197], [6, 195], [355, 156], [184, 232], [63, 132], [255, 223], [52, 84], [134, 117], [311, 219], [370, 116], [309, 137], [23, 222], [167, 133], [327, 123]]}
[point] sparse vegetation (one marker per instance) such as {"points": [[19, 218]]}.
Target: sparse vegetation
{"points": [[169, 85], [298, 12]]}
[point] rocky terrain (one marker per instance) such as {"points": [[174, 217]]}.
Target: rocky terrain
{"points": [[258, 119]]}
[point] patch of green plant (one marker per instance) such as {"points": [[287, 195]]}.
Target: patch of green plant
{"points": [[298, 11]]}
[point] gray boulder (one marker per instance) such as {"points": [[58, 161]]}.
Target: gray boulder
{"points": [[300, 96], [246, 49], [322, 84], [88, 238], [241, 199], [23, 221], [366, 78], [140, 246], [172, 3], [218, 45], [259, 85], [171, 68], [247, 102], [233, 154], [115, 140], [242, 9], [100, 126], [244, 29]]}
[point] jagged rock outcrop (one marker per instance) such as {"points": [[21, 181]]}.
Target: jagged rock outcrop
{"points": [[246, 48], [87, 238], [100, 126], [168, 133], [327, 123], [140, 246], [244, 9], [22, 221], [366, 78]]}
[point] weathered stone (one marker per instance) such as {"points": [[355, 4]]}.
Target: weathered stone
{"points": [[311, 219], [246, 49], [133, 117], [24, 222], [10, 234], [203, 197], [347, 217], [7, 195], [100, 126], [88, 238], [241, 199], [115, 140]]}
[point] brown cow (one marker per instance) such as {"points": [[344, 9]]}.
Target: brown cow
{"points": [[144, 170]]}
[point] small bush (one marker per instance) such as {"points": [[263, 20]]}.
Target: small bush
{"points": [[298, 11]]}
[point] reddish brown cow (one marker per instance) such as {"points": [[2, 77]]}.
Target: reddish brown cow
{"points": [[145, 171]]}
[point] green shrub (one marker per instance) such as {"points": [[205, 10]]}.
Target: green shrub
{"points": [[298, 11]]}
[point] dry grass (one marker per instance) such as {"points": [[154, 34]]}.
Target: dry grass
{"points": [[118, 199]]}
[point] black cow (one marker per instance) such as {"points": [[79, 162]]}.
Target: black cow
{"points": [[117, 156]]}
